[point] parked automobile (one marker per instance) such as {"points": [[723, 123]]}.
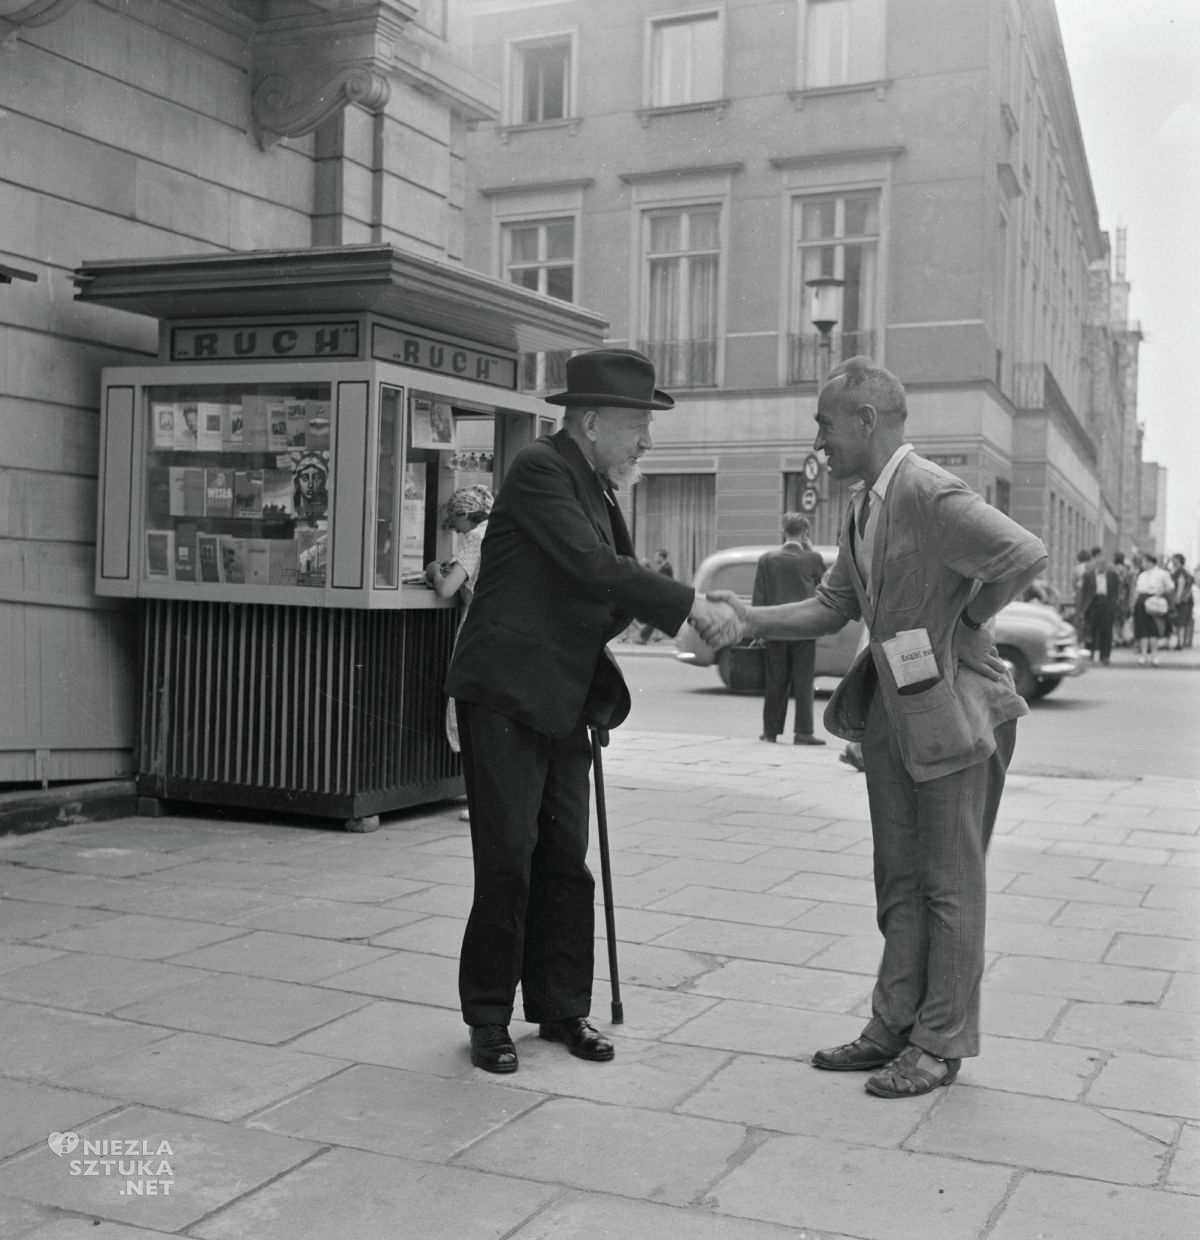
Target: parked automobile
{"points": [[1040, 646]]}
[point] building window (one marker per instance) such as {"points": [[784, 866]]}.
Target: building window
{"points": [[676, 513], [836, 235], [843, 42], [541, 85], [682, 258], [540, 255], [685, 60]]}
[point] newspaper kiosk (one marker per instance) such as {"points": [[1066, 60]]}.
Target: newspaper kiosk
{"points": [[270, 491]]}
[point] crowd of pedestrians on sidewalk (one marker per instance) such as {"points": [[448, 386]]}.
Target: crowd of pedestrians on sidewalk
{"points": [[1136, 602]]}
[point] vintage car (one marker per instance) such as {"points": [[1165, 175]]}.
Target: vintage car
{"points": [[1039, 645]]}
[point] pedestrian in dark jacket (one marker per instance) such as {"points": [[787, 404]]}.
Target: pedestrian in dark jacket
{"points": [[1099, 596], [789, 574]]}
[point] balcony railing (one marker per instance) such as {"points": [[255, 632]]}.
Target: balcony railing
{"points": [[1035, 389], [804, 352], [683, 363]]}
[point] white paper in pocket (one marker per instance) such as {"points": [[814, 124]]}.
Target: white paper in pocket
{"points": [[911, 657]]}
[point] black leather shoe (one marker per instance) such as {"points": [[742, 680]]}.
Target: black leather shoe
{"points": [[581, 1039], [861, 1055], [806, 738], [492, 1049]]}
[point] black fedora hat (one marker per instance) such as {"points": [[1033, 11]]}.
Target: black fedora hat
{"points": [[612, 378]]}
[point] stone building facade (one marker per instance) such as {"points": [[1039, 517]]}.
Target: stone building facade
{"points": [[687, 168], [138, 128]]}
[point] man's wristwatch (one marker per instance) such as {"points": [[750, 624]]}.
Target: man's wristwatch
{"points": [[968, 621]]}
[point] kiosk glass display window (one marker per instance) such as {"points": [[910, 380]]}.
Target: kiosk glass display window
{"points": [[387, 499], [448, 447], [238, 486]]}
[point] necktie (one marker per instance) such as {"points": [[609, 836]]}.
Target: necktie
{"points": [[864, 513]]}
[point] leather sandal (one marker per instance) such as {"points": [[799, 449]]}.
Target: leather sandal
{"points": [[905, 1078]]}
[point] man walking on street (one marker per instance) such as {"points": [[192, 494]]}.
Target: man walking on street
{"points": [[530, 673], [927, 564], [789, 574], [1099, 595]]}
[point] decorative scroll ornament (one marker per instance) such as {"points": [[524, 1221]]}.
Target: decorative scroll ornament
{"points": [[15, 14], [278, 114]]}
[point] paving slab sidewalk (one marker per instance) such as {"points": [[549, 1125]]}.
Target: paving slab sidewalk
{"points": [[220, 1029]]}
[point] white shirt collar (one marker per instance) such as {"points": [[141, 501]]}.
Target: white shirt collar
{"points": [[865, 547], [880, 486]]}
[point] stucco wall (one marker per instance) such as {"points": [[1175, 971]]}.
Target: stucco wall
{"points": [[127, 131]]}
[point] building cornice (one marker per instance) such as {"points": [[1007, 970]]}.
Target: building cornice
{"points": [[717, 106], [536, 187], [878, 88], [672, 174], [842, 155], [311, 59]]}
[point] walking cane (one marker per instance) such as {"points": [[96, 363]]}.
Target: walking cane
{"points": [[599, 740]]}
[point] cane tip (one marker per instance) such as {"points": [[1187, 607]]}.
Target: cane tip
{"points": [[618, 1014]]}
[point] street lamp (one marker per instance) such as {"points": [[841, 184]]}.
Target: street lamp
{"points": [[825, 313]]}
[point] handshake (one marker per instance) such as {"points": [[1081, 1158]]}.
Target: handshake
{"points": [[720, 617]]}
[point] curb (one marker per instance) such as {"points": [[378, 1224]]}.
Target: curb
{"points": [[63, 805]]}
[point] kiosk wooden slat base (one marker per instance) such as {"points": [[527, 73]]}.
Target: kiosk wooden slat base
{"points": [[314, 711]]}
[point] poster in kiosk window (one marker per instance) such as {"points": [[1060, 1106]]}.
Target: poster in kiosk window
{"points": [[310, 486]]}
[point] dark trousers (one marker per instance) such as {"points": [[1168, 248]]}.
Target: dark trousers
{"points": [[930, 851], [532, 917], [1100, 627], [789, 674]]}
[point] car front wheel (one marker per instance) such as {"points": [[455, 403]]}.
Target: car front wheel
{"points": [[1047, 686], [1023, 677]]}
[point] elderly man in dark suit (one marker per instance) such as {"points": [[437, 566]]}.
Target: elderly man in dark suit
{"points": [[1099, 594], [789, 574], [530, 673]]}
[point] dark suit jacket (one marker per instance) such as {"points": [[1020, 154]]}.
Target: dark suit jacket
{"points": [[787, 574], [1087, 588], [558, 579]]}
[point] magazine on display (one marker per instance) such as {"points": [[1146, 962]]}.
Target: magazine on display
{"points": [[160, 555], [254, 506], [186, 437]]}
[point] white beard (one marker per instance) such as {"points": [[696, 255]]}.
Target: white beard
{"points": [[626, 476]]}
